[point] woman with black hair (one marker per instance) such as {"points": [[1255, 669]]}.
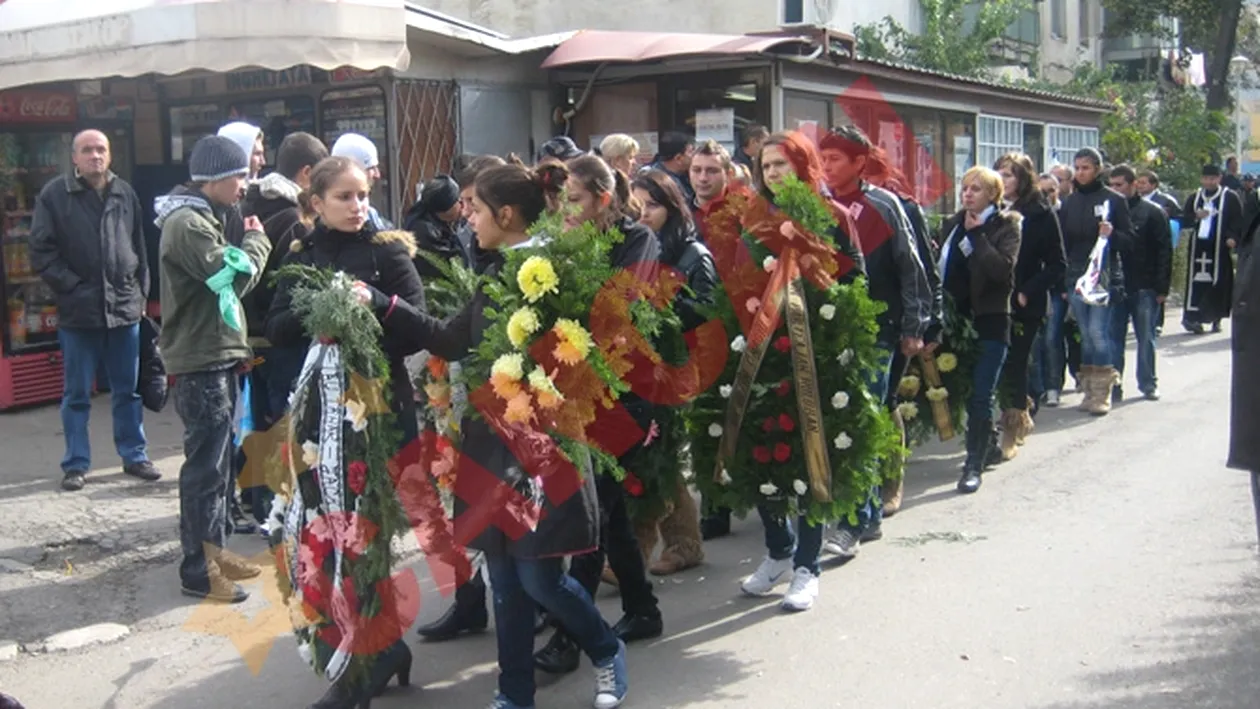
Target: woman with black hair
{"points": [[1040, 264], [665, 212]]}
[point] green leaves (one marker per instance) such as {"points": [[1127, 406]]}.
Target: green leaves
{"points": [[957, 35]]}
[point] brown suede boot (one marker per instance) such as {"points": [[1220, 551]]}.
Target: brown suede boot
{"points": [[1010, 429], [891, 491], [680, 533], [1026, 424], [1103, 380], [236, 567], [1087, 386]]}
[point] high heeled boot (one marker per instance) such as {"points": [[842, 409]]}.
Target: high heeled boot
{"points": [[978, 433], [348, 694], [467, 615]]}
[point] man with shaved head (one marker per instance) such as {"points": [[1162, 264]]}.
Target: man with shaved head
{"points": [[87, 244]]}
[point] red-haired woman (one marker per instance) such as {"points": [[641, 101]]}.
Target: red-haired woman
{"points": [[794, 553]]}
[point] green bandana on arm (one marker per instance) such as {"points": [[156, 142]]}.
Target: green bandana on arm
{"points": [[235, 261]]}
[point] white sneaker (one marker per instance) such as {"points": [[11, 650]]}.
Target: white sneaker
{"points": [[801, 594], [1052, 398], [771, 573]]}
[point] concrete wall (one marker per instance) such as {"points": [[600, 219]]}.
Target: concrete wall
{"points": [[1061, 55]]}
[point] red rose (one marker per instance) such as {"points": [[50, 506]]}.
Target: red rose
{"points": [[633, 485], [782, 452], [784, 388], [356, 477], [761, 454], [786, 423], [768, 425], [783, 344]]}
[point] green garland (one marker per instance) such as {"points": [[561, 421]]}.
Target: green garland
{"points": [[330, 311], [769, 466]]}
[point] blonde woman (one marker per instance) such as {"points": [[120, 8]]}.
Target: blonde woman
{"points": [[978, 252], [620, 151]]}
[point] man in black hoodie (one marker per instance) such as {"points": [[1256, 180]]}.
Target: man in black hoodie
{"points": [[1147, 275], [274, 201], [896, 277], [433, 219], [1093, 212]]}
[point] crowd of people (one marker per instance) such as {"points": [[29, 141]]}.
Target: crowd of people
{"points": [[1045, 272]]}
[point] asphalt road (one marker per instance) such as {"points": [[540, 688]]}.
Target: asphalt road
{"points": [[1112, 564]]}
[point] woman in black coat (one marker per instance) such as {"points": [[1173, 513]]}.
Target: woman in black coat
{"points": [[344, 239], [524, 551], [1041, 264], [1244, 411], [978, 254]]}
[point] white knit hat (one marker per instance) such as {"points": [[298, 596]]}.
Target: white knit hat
{"points": [[358, 148], [243, 134]]}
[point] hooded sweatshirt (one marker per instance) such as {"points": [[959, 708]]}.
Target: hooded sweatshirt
{"points": [[274, 200], [195, 338]]}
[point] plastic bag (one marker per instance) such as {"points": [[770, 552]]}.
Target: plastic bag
{"points": [[1093, 286]]}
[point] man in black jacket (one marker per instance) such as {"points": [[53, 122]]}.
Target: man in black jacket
{"points": [[1093, 212], [87, 244], [896, 277], [433, 220], [1147, 275]]}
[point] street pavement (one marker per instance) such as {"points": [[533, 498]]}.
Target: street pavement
{"points": [[1112, 565]]}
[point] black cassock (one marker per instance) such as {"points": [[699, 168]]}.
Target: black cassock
{"points": [[1210, 268]]}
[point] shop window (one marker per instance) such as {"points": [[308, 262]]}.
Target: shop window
{"points": [[1062, 142], [720, 112], [191, 123], [996, 137], [360, 111], [808, 114], [277, 118]]}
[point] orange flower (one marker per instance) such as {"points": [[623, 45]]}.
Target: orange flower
{"points": [[439, 394], [519, 409], [505, 387], [438, 367]]}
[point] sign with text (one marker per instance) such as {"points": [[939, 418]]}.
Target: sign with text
{"points": [[266, 80], [37, 107]]}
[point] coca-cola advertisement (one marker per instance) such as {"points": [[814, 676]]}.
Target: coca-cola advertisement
{"points": [[37, 107]]}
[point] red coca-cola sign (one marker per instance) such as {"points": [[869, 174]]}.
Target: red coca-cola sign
{"points": [[37, 107]]}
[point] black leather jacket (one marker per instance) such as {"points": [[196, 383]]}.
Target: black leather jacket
{"points": [[681, 249]]}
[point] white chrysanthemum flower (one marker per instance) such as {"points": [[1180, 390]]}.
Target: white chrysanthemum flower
{"points": [[827, 311], [725, 478], [769, 264], [739, 343], [800, 487], [843, 442], [725, 390], [715, 430], [845, 358], [310, 453], [768, 489], [840, 399]]}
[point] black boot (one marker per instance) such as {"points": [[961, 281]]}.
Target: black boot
{"points": [[467, 615], [992, 451], [715, 525], [559, 656], [394, 662], [978, 433], [637, 626]]}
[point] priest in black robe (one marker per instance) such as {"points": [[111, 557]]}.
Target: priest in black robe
{"points": [[1214, 216]]}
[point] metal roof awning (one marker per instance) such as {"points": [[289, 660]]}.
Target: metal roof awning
{"points": [[68, 40], [611, 47], [464, 38]]}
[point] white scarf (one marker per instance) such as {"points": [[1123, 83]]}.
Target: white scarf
{"points": [[953, 237], [1201, 201]]}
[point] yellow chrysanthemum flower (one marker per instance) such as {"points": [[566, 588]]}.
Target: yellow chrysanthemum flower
{"points": [[575, 342], [937, 394], [537, 278], [908, 411], [947, 362], [505, 375], [522, 324], [545, 391], [909, 386]]}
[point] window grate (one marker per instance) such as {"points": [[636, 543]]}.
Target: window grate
{"points": [[428, 115]]}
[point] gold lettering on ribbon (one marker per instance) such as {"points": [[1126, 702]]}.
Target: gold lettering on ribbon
{"points": [[808, 404]]}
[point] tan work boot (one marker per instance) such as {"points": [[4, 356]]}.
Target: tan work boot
{"points": [[1010, 431], [217, 587], [891, 492], [1103, 380], [680, 532], [1026, 424], [1087, 386], [236, 567]]}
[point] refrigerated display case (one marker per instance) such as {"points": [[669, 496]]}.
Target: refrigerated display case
{"points": [[31, 153]]}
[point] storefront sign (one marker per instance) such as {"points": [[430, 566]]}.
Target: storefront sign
{"points": [[37, 107], [263, 80], [716, 124], [106, 109], [347, 74]]}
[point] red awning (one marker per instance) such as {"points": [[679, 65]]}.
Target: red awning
{"points": [[598, 46]]}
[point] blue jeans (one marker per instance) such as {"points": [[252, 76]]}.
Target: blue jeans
{"points": [[84, 351], [1095, 324], [1052, 340], [1036, 366], [520, 586], [1142, 309], [205, 402], [984, 380], [782, 541]]}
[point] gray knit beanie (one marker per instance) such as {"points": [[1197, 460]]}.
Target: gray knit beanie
{"points": [[215, 157]]}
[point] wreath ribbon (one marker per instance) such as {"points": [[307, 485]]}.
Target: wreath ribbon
{"points": [[784, 293]]}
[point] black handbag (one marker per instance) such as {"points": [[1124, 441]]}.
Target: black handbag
{"points": [[151, 385]]}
